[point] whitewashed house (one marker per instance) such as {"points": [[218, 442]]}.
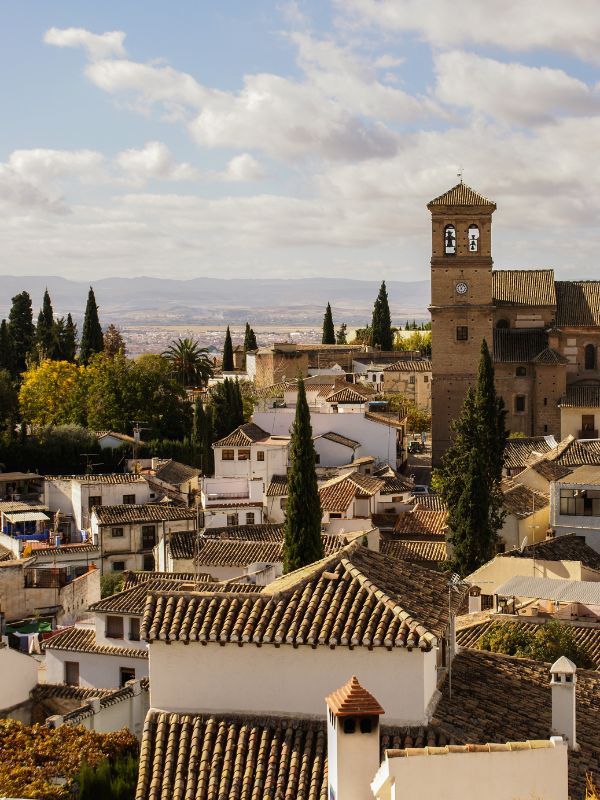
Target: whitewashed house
{"points": [[575, 504]]}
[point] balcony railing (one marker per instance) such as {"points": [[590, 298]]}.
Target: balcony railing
{"points": [[215, 496], [593, 434]]}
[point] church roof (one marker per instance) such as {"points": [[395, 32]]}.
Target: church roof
{"points": [[519, 345], [578, 304], [581, 397], [461, 195], [523, 287]]}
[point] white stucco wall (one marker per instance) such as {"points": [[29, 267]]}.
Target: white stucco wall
{"points": [[287, 680], [275, 461], [332, 454], [18, 675], [95, 670], [570, 420], [502, 568]]}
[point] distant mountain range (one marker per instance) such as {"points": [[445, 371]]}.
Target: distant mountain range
{"points": [[206, 301]]}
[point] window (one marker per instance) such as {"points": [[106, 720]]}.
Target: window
{"points": [[366, 724], [126, 674], [116, 533], [450, 240], [462, 333], [118, 566], [94, 500], [520, 371], [374, 378], [502, 324], [114, 627], [520, 404], [283, 503], [349, 724], [411, 379], [227, 455], [260, 455], [148, 536], [335, 515], [545, 428], [317, 458], [250, 518], [580, 502], [129, 499], [545, 401], [587, 423], [148, 563], [473, 239], [232, 519], [590, 356], [134, 629], [72, 673], [243, 454], [425, 378]]}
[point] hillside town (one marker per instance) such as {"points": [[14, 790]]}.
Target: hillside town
{"points": [[347, 569]]}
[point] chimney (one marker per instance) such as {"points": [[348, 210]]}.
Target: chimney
{"points": [[352, 741], [563, 680], [474, 600]]}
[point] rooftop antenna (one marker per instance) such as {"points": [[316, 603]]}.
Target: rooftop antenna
{"points": [[89, 465], [137, 429], [454, 583], [459, 174]]}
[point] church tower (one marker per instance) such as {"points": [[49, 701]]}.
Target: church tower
{"points": [[461, 301]]}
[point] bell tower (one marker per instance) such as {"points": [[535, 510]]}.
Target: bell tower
{"points": [[461, 301]]}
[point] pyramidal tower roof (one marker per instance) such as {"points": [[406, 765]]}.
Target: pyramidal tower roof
{"points": [[461, 195], [352, 699]]}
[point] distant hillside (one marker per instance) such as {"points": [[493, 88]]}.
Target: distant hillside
{"points": [[157, 301]]}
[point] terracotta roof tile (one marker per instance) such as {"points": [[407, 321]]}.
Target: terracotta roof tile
{"points": [[432, 502], [520, 500], [265, 532], [462, 195], [581, 397], [133, 578], [410, 365], [551, 471], [337, 438], [550, 358], [174, 472], [348, 394], [396, 484], [114, 478], [523, 287], [66, 549], [353, 598], [337, 494], [238, 553], [570, 547], [515, 345], [423, 522], [352, 699], [419, 551], [578, 304], [107, 699], [518, 452], [127, 514], [243, 436], [82, 640], [579, 453], [278, 486], [393, 419]]}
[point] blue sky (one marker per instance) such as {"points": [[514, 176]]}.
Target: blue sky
{"points": [[288, 139]]}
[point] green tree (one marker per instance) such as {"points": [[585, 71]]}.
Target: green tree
{"points": [[92, 339], [250, 342], [363, 335], [51, 394], [190, 364], [227, 365], [381, 323], [111, 583], [113, 341], [9, 400], [66, 332], [302, 528], [328, 336], [340, 337], [471, 472], [546, 642], [21, 329], [7, 360], [227, 407], [46, 339], [203, 434]]}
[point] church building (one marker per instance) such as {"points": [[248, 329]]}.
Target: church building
{"points": [[544, 333]]}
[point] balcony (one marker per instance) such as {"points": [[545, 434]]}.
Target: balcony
{"points": [[588, 434]]}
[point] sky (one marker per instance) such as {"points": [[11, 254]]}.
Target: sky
{"points": [[282, 138]]}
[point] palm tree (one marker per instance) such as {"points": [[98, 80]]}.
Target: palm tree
{"points": [[190, 363]]}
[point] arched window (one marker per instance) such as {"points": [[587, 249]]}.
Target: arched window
{"points": [[473, 239], [520, 371], [590, 356], [502, 324], [450, 240]]}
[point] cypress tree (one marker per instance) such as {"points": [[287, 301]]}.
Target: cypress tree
{"points": [[340, 337], [302, 529], [45, 333], [7, 360], [92, 339], [249, 339], [21, 329], [328, 329], [227, 365], [66, 333], [381, 324]]}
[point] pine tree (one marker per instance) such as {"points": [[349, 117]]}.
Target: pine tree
{"points": [[113, 341], [381, 323], [302, 529], [21, 329], [92, 340], [227, 365], [340, 337], [472, 471], [328, 329], [66, 334]]}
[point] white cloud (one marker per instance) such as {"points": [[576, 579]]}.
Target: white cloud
{"points": [[42, 166], [154, 160], [97, 45], [243, 168], [19, 196], [516, 25], [511, 92]]}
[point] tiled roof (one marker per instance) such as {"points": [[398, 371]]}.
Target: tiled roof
{"points": [[346, 395], [580, 453], [550, 358], [581, 397], [6, 555], [518, 452], [111, 478], [133, 599], [183, 544], [354, 598], [243, 436], [420, 551], [82, 640], [587, 636], [66, 549], [274, 390], [278, 486], [14, 506], [551, 471], [46, 691], [352, 699], [107, 699], [578, 304], [122, 436], [148, 512], [175, 473], [515, 346], [523, 287], [423, 522], [410, 365], [232, 758], [396, 484], [561, 548], [432, 502], [133, 578], [337, 494], [384, 521], [339, 439], [393, 419], [265, 532], [238, 553], [461, 195], [521, 501], [497, 698]]}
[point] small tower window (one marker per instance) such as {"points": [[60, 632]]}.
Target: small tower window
{"points": [[502, 324], [473, 239], [520, 371], [349, 725], [450, 240], [520, 403], [590, 356], [462, 333]]}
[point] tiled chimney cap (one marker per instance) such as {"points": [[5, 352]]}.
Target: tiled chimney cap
{"points": [[352, 700]]}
